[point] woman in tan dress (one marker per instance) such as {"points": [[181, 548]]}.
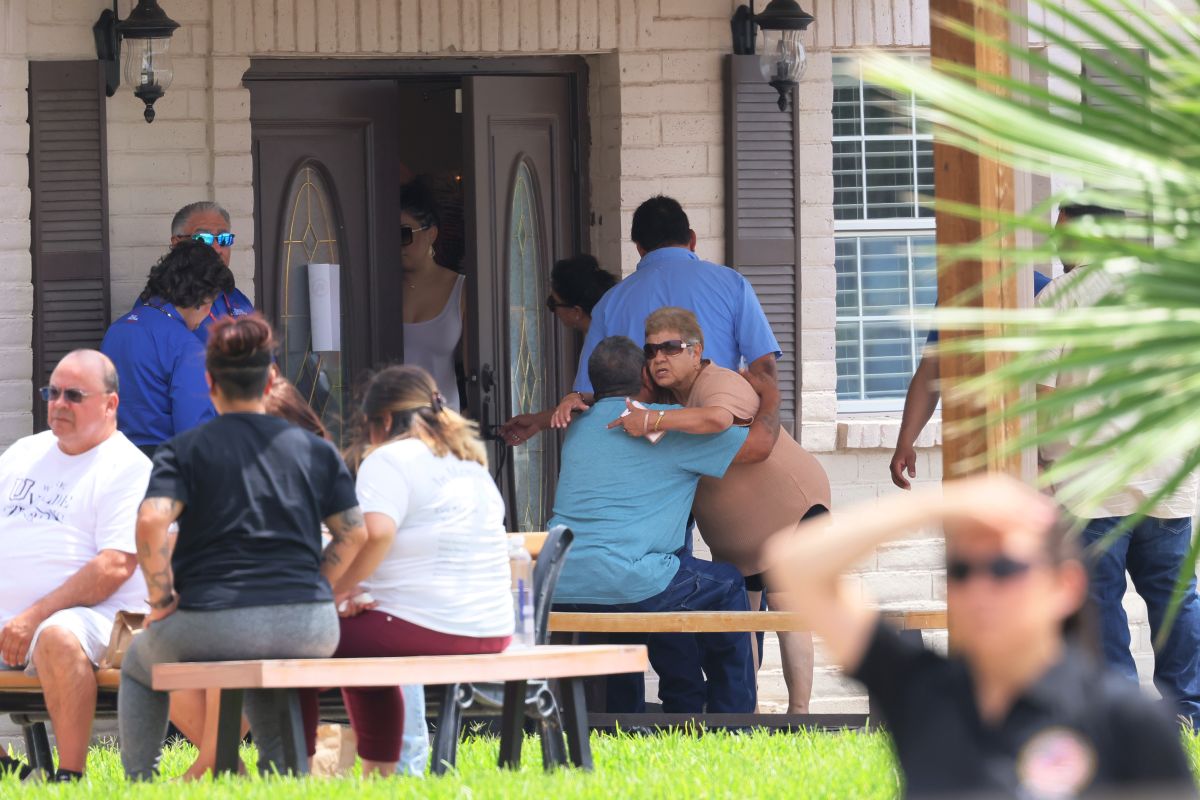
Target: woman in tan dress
{"points": [[738, 513]]}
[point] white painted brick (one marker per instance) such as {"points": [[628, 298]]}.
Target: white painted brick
{"points": [[15, 425], [15, 264], [818, 437], [692, 67], [695, 9], [928, 555], [664, 161], [14, 73], [58, 40], [14, 235], [689, 128], [231, 137], [14, 203], [233, 170], [14, 105], [641, 68], [898, 587], [141, 168], [16, 332]]}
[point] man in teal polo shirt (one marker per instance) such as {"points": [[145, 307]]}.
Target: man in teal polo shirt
{"points": [[627, 502]]}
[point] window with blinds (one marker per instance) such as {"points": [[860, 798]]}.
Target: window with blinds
{"points": [[883, 173]]}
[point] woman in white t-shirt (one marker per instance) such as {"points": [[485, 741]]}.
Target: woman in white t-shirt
{"points": [[437, 552]]}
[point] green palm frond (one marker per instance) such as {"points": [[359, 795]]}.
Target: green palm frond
{"points": [[1132, 142]]}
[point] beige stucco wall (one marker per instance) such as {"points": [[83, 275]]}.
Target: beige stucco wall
{"points": [[656, 124]]}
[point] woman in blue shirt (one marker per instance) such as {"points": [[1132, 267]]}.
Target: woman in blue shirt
{"points": [[159, 360]]}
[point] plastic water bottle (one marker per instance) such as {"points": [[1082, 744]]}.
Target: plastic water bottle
{"points": [[522, 591]]}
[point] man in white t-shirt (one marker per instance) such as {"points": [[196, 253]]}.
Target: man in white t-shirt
{"points": [[1155, 549], [68, 506]]}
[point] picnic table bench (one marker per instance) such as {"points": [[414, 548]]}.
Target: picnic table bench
{"points": [[910, 620], [514, 668]]}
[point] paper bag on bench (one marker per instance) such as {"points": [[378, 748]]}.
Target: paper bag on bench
{"points": [[126, 625]]}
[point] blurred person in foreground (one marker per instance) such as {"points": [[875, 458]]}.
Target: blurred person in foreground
{"points": [[1022, 709]]}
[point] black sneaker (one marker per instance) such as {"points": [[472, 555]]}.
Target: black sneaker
{"points": [[10, 766], [66, 776]]}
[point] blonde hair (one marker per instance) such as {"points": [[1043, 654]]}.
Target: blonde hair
{"points": [[671, 318], [406, 401]]}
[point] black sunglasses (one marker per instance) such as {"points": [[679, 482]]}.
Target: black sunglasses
{"points": [[553, 305], [1000, 568], [671, 347], [406, 233], [73, 396]]}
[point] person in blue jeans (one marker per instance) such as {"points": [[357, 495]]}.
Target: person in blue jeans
{"points": [[1154, 550], [627, 500]]}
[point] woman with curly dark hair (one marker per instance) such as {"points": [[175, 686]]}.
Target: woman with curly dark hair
{"points": [[159, 360]]}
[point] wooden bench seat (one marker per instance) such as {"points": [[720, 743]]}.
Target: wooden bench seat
{"points": [[567, 664], [14, 680], [909, 620], [719, 621]]}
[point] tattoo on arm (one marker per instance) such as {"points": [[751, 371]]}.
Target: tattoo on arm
{"points": [[339, 527]]}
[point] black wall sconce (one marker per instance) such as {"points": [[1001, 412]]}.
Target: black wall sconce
{"points": [[783, 58], [147, 64]]}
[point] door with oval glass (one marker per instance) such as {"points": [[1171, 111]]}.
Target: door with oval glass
{"points": [[324, 157], [522, 215]]}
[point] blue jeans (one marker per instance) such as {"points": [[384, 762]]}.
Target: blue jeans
{"points": [[414, 747], [723, 660], [1152, 553]]}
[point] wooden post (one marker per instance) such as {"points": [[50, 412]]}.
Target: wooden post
{"points": [[966, 178]]}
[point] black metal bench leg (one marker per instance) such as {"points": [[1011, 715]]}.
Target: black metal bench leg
{"points": [[548, 715], [445, 740], [512, 724], [37, 747], [229, 732], [575, 719], [291, 729]]}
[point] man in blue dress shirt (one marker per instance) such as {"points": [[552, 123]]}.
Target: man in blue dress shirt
{"points": [[736, 331], [209, 222]]}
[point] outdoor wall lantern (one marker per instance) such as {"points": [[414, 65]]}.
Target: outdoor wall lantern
{"points": [[782, 57], [147, 64]]}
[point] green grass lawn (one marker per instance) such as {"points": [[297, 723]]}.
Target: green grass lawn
{"points": [[760, 765]]}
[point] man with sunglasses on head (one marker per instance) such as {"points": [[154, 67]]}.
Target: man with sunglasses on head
{"points": [[68, 505], [208, 222]]}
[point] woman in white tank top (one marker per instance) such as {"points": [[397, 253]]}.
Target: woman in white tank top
{"points": [[434, 302]]}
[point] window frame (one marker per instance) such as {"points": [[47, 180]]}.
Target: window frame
{"points": [[859, 229]]}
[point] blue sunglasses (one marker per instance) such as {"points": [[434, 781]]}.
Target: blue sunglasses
{"points": [[222, 239]]}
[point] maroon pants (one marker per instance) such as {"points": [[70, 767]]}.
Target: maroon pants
{"points": [[377, 713]]}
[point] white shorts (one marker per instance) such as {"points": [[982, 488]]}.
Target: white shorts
{"points": [[88, 625]]}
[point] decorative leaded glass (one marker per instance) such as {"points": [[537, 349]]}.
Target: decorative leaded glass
{"points": [[528, 346], [310, 237]]}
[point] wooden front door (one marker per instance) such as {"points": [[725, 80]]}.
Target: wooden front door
{"points": [[325, 161], [522, 215]]}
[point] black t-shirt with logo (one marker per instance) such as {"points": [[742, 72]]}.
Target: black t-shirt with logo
{"points": [[255, 489], [1076, 731]]}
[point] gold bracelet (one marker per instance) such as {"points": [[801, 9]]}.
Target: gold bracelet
{"points": [[658, 421]]}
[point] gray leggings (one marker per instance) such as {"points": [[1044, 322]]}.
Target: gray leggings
{"points": [[302, 630]]}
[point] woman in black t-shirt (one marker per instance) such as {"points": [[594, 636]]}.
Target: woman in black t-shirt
{"points": [[246, 578], [1020, 710]]}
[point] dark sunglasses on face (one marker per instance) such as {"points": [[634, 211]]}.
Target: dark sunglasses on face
{"points": [[222, 239], [407, 231], [1001, 568], [73, 396], [671, 347]]}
